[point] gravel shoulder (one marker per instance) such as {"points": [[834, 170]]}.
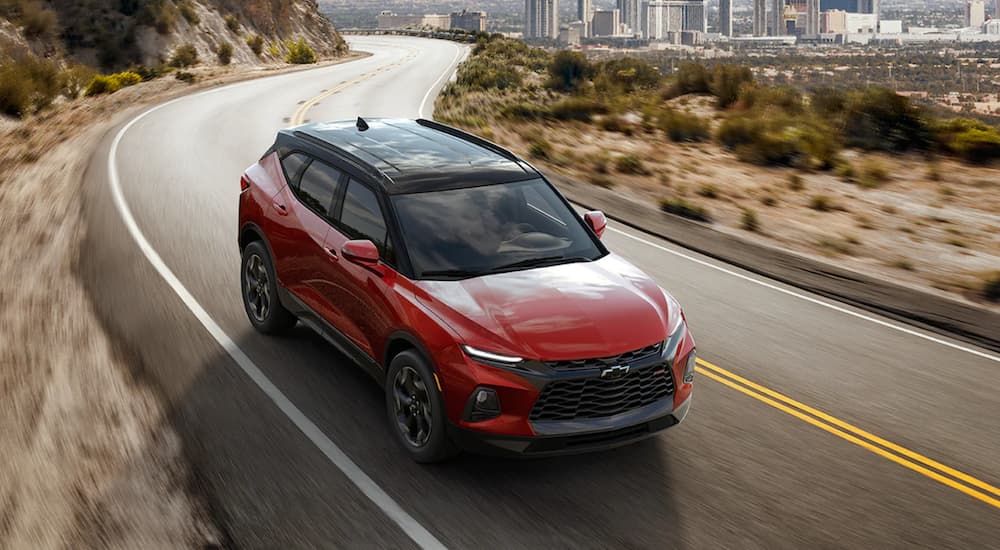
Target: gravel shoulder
{"points": [[88, 457]]}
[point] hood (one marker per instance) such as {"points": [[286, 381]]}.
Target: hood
{"points": [[570, 311]]}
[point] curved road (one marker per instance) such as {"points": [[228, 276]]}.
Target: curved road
{"points": [[814, 425]]}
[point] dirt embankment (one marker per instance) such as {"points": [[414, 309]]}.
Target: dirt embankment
{"points": [[87, 456]]}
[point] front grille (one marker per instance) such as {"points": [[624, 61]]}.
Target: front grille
{"points": [[626, 358], [595, 397]]}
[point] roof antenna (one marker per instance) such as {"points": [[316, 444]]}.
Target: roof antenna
{"points": [[362, 125]]}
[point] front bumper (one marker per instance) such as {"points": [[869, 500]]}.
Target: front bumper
{"points": [[587, 436]]}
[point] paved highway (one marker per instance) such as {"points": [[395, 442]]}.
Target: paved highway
{"points": [[814, 424]]}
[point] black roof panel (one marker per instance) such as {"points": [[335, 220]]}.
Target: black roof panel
{"points": [[417, 155]]}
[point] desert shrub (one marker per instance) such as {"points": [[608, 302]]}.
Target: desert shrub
{"points": [[38, 22], [185, 76], [680, 207], [102, 84], [873, 174], [150, 73], [614, 123], [739, 130], [625, 75], [680, 126], [991, 288], [749, 221], [767, 139], [691, 78], [846, 172], [601, 180], [300, 53], [225, 53], [160, 14], [821, 203], [708, 191], [630, 164], [785, 99], [27, 85], [188, 12], [972, 140], [232, 23], [796, 183], [540, 149], [256, 44], [74, 80], [186, 55], [577, 108], [881, 119], [568, 71], [523, 110], [728, 81], [480, 74], [828, 103], [274, 50], [109, 84]]}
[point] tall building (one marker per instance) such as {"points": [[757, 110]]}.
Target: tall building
{"points": [[629, 10], [584, 8], [541, 18], [869, 6], [675, 16], [760, 17], [833, 22], [726, 17], [812, 17], [975, 13], [844, 5], [468, 20], [777, 18], [605, 22]]}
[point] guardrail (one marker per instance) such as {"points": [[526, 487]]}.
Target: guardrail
{"points": [[457, 36]]}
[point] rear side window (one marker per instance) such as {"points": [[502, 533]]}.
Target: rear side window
{"points": [[361, 218], [293, 165], [318, 187]]}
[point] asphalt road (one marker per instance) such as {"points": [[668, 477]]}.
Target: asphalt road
{"points": [[814, 425]]}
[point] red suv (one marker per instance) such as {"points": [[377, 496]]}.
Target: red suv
{"points": [[468, 287]]}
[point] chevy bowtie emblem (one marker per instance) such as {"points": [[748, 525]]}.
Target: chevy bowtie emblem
{"points": [[612, 373]]}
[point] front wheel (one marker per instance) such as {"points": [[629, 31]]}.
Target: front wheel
{"points": [[260, 292], [416, 409]]}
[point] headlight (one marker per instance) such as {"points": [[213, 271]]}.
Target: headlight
{"points": [[476, 353]]}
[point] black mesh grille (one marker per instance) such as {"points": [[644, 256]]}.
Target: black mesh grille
{"points": [[626, 358], [596, 397]]}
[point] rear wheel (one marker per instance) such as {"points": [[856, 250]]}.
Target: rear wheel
{"points": [[416, 409], [260, 292]]}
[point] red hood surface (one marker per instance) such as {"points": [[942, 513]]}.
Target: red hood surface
{"points": [[571, 311]]}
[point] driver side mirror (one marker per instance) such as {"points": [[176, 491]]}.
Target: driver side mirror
{"points": [[597, 222], [361, 252]]}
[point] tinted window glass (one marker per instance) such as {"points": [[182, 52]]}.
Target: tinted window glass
{"points": [[319, 186], [293, 165], [464, 233], [362, 218]]}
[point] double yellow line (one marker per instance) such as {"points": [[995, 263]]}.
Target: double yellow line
{"points": [[917, 462], [300, 114]]}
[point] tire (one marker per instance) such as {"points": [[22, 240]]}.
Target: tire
{"points": [[260, 292], [409, 377]]}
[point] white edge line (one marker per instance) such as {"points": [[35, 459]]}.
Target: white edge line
{"points": [[365, 484], [447, 72], [810, 298]]}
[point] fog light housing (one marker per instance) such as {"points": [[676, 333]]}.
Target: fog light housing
{"points": [[689, 368], [484, 404]]}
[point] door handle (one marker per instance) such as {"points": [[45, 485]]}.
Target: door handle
{"points": [[282, 211], [332, 252]]}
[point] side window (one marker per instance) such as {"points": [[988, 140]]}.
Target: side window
{"points": [[293, 165], [318, 187], [362, 218]]}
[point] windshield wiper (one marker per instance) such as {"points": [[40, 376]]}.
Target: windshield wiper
{"points": [[457, 273], [538, 262]]}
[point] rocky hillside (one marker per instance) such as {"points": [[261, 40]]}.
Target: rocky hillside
{"points": [[114, 34]]}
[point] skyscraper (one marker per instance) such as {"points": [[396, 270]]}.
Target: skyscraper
{"points": [[777, 19], [726, 17], [868, 6], [629, 10], [541, 18], [975, 13], [583, 11], [760, 17], [812, 17]]}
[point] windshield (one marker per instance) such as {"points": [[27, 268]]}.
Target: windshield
{"points": [[467, 232]]}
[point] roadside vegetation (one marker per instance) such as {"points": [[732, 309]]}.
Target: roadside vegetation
{"points": [[715, 143]]}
